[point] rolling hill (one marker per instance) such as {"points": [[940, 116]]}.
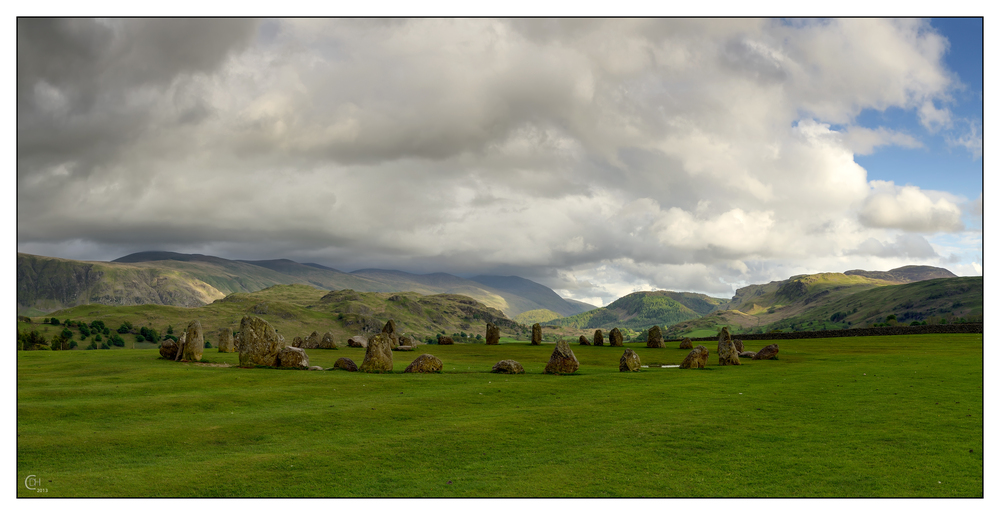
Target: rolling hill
{"points": [[640, 310]]}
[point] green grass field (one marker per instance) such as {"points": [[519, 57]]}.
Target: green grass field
{"points": [[848, 417]]}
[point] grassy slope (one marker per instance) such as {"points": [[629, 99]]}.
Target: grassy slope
{"points": [[641, 310], [851, 417], [536, 316]]}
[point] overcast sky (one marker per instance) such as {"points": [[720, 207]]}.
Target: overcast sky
{"points": [[597, 157]]}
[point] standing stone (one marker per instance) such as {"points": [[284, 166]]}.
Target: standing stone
{"points": [[492, 334], [327, 341], [508, 366], [406, 341], [445, 340], [536, 334], [654, 339], [378, 355], [563, 361], [616, 338], [357, 341], [686, 344], [181, 342], [312, 342], [769, 352], [194, 345], [297, 342], [629, 362], [345, 364], [696, 358], [739, 344], [292, 357], [390, 331], [584, 340], [226, 343], [258, 342], [424, 364], [728, 355], [168, 349], [598, 338]]}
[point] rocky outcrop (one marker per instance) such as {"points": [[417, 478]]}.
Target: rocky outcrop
{"points": [[584, 340], [312, 342], [327, 341], [424, 364], [292, 357], [168, 349], [629, 362], [508, 366], [728, 355], [686, 344], [563, 361], [390, 330], [615, 339], [654, 338], [598, 338], [357, 341], [696, 358], [258, 343], [536, 334], [226, 343], [378, 355], [769, 352], [194, 343], [445, 340], [492, 334], [345, 364]]}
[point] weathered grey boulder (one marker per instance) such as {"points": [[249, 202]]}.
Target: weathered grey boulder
{"points": [[598, 338], [226, 343], [168, 349], [508, 366], [536, 334], [194, 343], [654, 338], [297, 342], [424, 364], [315, 367], [407, 341], [357, 341], [445, 340], [327, 341], [739, 344], [492, 334], [345, 364], [292, 357], [563, 361], [378, 355], [769, 352], [312, 342], [696, 358], [748, 354], [616, 340], [584, 340], [258, 343], [404, 348], [728, 355], [390, 330], [686, 344], [629, 362]]}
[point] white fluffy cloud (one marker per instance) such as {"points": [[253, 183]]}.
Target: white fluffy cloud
{"points": [[596, 156]]}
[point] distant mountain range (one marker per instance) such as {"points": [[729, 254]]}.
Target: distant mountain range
{"points": [[46, 284]]}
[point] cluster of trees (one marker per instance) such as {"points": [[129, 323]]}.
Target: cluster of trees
{"points": [[99, 334]]}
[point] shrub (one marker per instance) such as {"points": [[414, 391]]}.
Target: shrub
{"points": [[97, 338], [208, 344], [139, 338], [125, 327], [66, 333], [97, 325], [115, 340], [149, 334], [105, 345], [54, 321], [92, 346], [35, 341], [73, 344], [84, 330], [170, 329]]}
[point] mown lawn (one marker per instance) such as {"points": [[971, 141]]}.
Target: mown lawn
{"points": [[848, 417]]}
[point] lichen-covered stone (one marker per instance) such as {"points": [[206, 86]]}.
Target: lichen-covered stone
{"points": [[378, 355], [629, 362], [404, 348], [315, 367], [563, 361], [226, 343], [686, 344], [424, 364], [327, 341], [616, 340], [258, 343], [739, 344], [536, 334], [407, 341], [312, 342], [748, 354], [345, 364], [508, 366], [194, 344], [598, 338], [297, 342], [168, 349], [492, 334], [390, 330], [357, 341], [654, 338], [769, 352], [584, 340], [727, 353], [696, 358], [292, 357], [445, 340]]}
